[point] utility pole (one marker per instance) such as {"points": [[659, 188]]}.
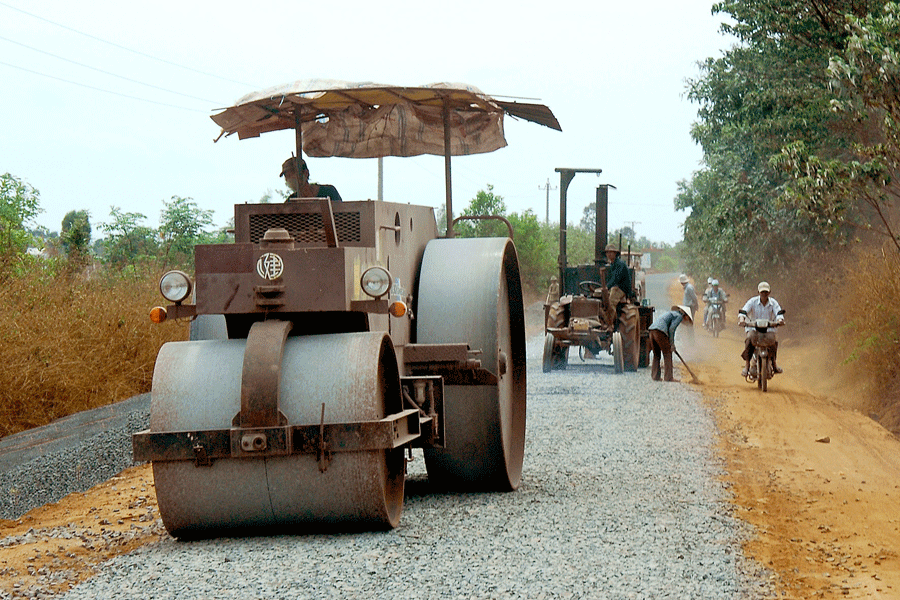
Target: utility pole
{"points": [[633, 223], [547, 188]]}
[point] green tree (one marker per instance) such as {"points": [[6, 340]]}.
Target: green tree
{"points": [[75, 235], [19, 204], [129, 245], [769, 91], [182, 225], [485, 202], [859, 188]]}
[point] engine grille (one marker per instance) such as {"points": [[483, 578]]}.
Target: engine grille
{"points": [[307, 227]]}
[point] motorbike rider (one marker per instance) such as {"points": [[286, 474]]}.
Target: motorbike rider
{"points": [[760, 307], [714, 294]]}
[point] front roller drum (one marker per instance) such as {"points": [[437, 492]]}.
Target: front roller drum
{"points": [[197, 386]]}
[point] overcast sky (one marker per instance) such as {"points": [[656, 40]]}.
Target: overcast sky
{"points": [[107, 103]]}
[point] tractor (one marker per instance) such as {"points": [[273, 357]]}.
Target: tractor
{"points": [[578, 312]]}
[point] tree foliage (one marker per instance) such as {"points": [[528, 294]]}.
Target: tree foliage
{"points": [[859, 189], [181, 227], [75, 236], [129, 244], [769, 95], [19, 204]]}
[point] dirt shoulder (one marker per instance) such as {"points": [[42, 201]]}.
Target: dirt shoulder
{"points": [[819, 482], [56, 546]]}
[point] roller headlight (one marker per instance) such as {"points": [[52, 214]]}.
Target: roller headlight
{"points": [[175, 286], [375, 281]]}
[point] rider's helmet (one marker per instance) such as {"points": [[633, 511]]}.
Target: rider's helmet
{"points": [[763, 287]]}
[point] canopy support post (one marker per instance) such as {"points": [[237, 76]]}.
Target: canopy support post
{"points": [[447, 182], [298, 140]]}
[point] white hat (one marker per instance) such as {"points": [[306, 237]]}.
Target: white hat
{"points": [[763, 287], [709, 280], [683, 278], [714, 282]]}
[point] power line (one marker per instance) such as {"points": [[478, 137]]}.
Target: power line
{"points": [[90, 87], [138, 52], [69, 60]]}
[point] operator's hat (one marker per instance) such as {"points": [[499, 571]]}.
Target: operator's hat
{"points": [[612, 248], [686, 310], [683, 278], [288, 166], [763, 287]]}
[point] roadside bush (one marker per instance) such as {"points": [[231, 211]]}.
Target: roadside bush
{"points": [[71, 342], [854, 298]]}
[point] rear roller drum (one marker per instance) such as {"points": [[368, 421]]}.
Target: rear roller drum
{"points": [[469, 291], [197, 386]]}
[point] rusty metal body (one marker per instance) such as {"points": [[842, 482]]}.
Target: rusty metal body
{"points": [[578, 311], [288, 289]]}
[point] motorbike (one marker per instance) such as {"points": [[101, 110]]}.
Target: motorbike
{"points": [[715, 323], [762, 367]]}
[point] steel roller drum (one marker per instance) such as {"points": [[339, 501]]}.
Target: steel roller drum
{"points": [[197, 385], [470, 291]]}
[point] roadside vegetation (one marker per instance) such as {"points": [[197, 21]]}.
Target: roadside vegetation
{"points": [[799, 123], [75, 332]]}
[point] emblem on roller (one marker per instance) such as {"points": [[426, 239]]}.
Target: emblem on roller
{"points": [[270, 266]]}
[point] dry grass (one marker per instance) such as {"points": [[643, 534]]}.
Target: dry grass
{"points": [[73, 342], [855, 298]]}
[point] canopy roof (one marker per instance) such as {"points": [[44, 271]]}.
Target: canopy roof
{"points": [[367, 120]]}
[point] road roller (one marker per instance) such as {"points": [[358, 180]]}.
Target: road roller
{"points": [[328, 341]]}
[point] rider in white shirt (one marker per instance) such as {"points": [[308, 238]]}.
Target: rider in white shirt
{"points": [[759, 307]]}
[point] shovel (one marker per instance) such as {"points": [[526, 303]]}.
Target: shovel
{"points": [[693, 377]]}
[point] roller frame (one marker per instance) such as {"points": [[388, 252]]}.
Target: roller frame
{"points": [[205, 446]]}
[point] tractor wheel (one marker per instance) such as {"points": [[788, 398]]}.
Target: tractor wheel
{"points": [[630, 329], [618, 356], [480, 305], [555, 355], [547, 359]]}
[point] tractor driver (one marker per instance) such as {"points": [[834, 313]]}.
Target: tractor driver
{"points": [[618, 281], [297, 178]]}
